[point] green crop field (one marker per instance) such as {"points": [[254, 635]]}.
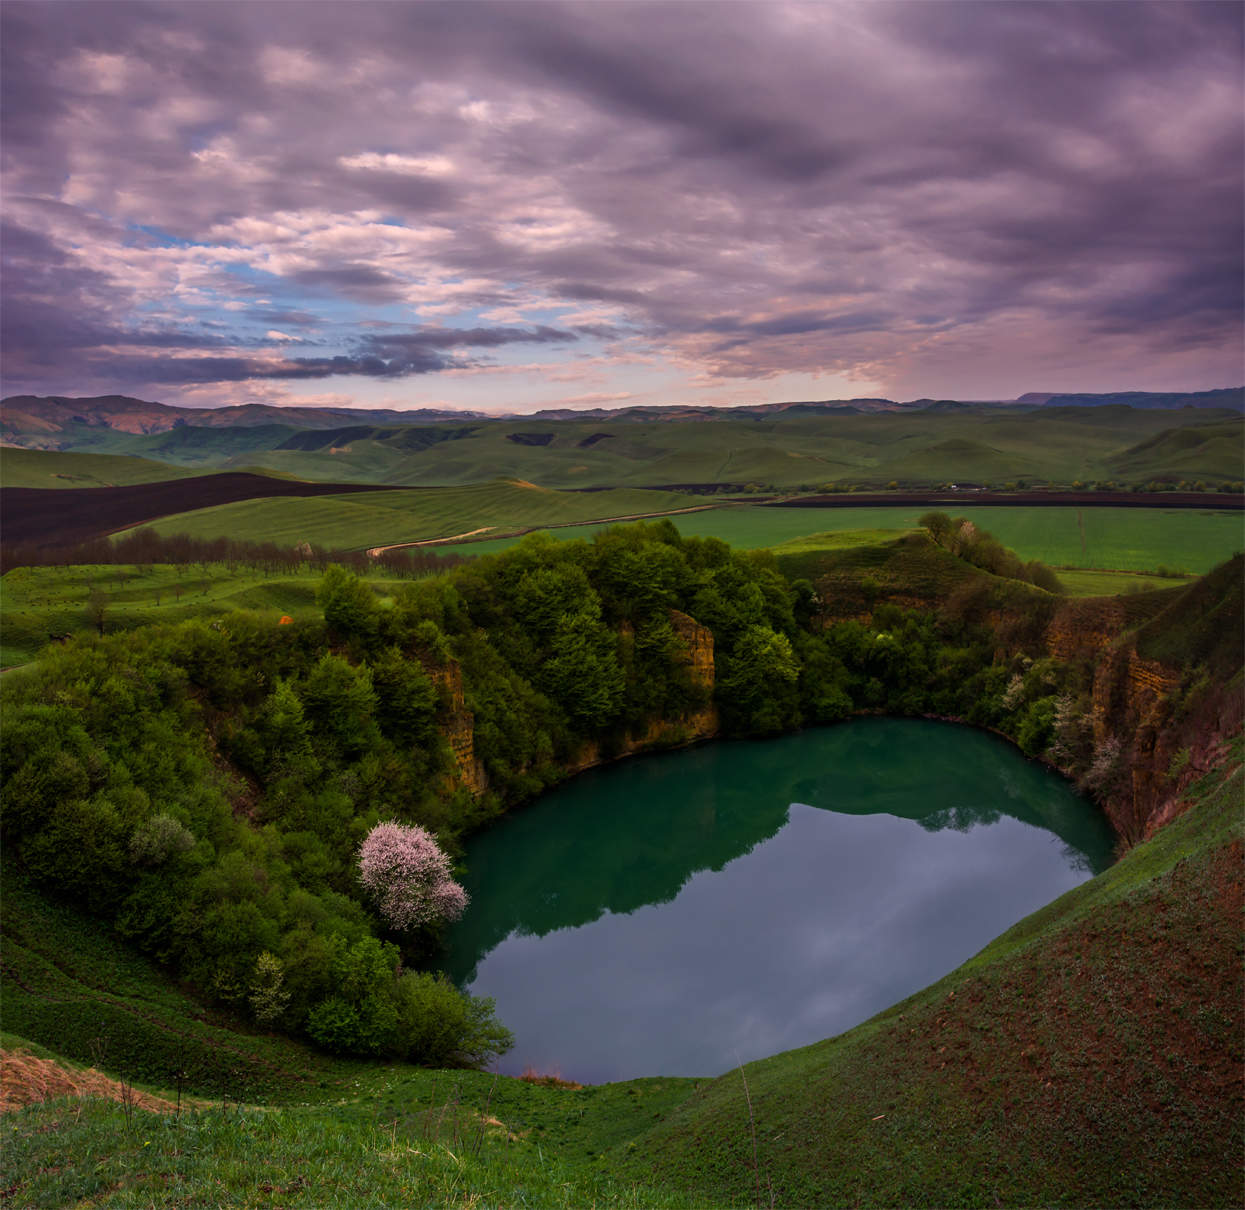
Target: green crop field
{"points": [[356, 522], [1081, 583], [1117, 539]]}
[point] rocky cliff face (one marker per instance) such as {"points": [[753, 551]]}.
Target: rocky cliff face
{"points": [[1085, 628], [457, 723], [1168, 729], [1156, 727], [697, 659]]}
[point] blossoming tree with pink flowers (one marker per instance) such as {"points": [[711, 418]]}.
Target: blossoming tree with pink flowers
{"points": [[405, 872]]}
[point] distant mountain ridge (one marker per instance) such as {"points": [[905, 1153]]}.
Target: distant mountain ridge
{"points": [[802, 444], [55, 421], [1227, 397], [23, 418]]}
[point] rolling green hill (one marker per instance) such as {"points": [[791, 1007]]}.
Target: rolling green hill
{"points": [[192, 446], [1183, 451], [45, 468], [974, 443]]}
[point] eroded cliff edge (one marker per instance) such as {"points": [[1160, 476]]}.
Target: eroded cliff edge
{"points": [[1167, 694]]}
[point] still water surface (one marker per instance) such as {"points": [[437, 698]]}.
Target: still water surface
{"points": [[678, 914]]}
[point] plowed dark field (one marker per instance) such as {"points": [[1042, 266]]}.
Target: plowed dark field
{"points": [[63, 516]]}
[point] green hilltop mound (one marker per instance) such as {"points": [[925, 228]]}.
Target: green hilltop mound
{"points": [[1211, 451], [973, 460]]}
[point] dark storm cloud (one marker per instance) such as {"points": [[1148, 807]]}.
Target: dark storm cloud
{"points": [[394, 355], [712, 180], [57, 309], [354, 281], [183, 370]]}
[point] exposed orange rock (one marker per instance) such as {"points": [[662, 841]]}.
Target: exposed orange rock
{"points": [[457, 723], [1162, 748], [1084, 627]]}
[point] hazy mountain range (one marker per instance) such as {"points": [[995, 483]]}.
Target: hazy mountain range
{"points": [[57, 422]]}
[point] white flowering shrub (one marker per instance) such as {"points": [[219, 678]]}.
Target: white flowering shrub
{"points": [[403, 869]]}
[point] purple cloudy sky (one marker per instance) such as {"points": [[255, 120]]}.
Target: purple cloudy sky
{"points": [[508, 206]]}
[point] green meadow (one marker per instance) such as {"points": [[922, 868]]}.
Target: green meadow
{"points": [[1115, 539]]}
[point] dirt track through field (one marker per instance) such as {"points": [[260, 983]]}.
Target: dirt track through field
{"points": [[373, 551], [515, 533]]}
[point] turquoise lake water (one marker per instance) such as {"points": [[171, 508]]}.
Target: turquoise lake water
{"points": [[681, 913]]}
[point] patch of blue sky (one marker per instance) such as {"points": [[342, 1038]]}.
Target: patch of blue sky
{"points": [[146, 233], [259, 277]]}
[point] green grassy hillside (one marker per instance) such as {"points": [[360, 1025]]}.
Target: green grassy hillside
{"points": [[355, 522], [44, 468], [982, 444], [212, 447], [1182, 450]]}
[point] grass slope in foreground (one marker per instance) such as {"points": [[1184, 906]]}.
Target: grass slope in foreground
{"points": [[1088, 1057]]}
